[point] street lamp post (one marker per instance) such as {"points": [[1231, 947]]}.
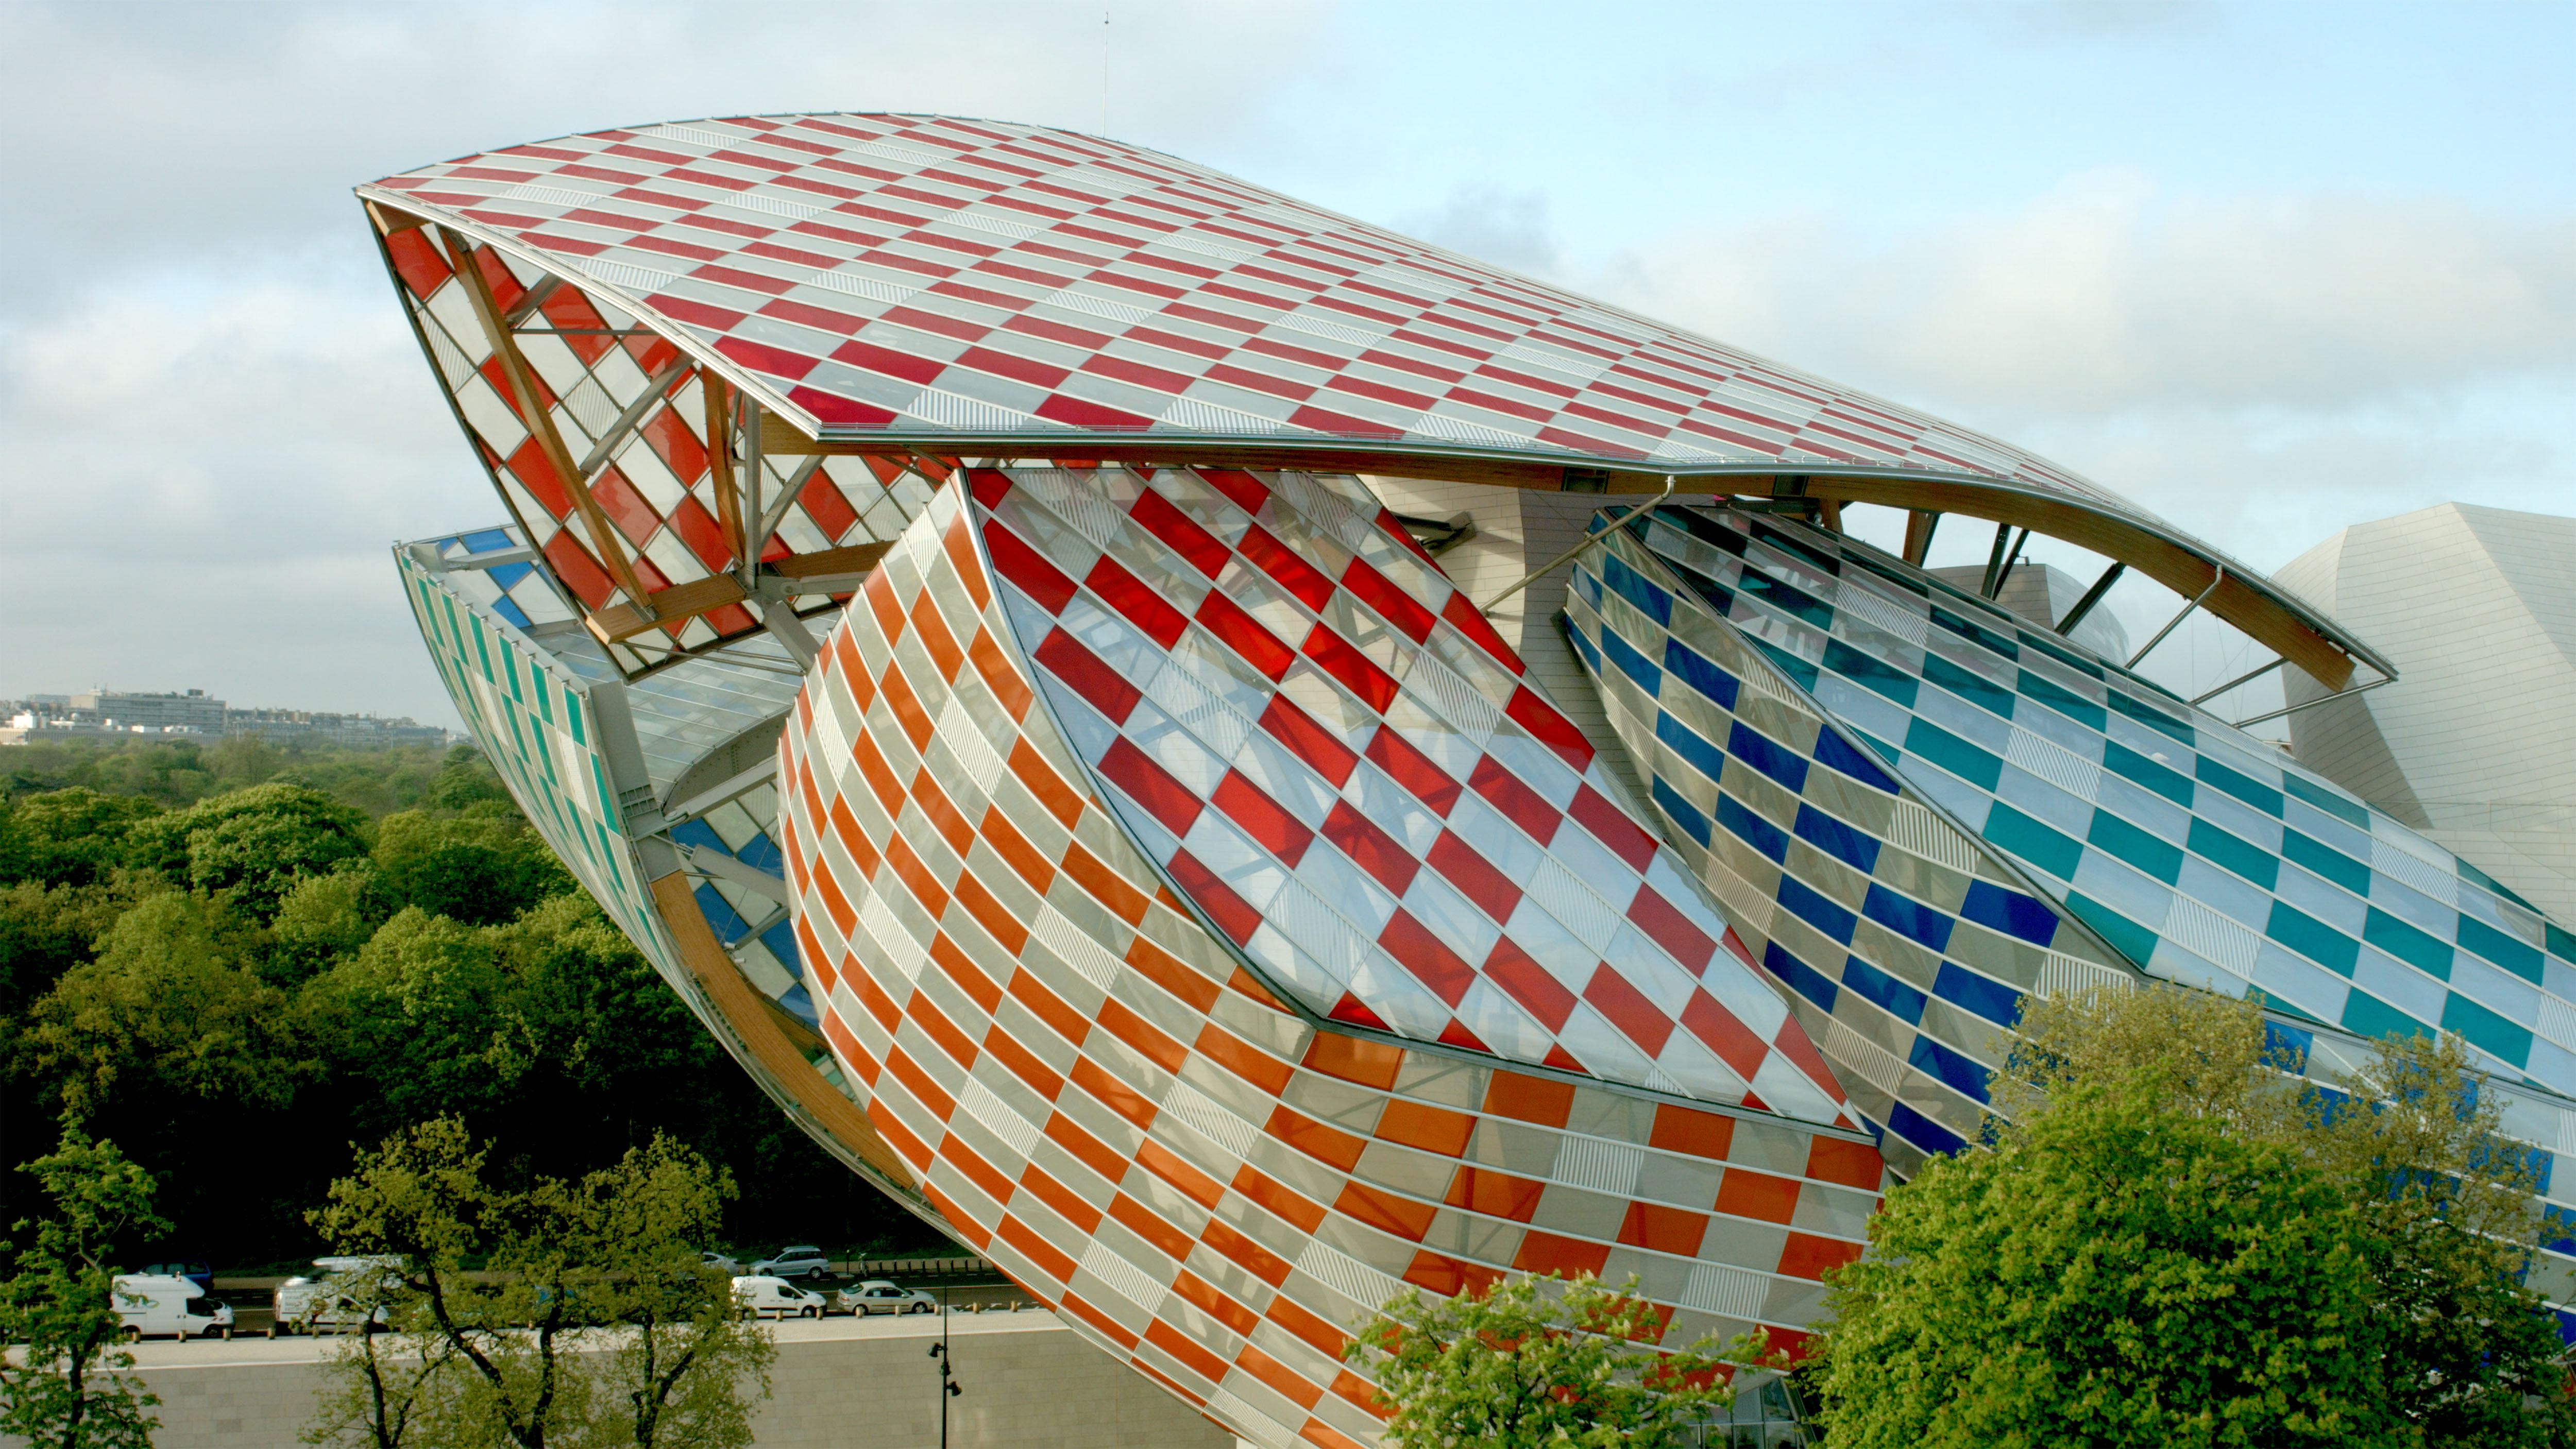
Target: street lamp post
{"points": [[948, 1386]]}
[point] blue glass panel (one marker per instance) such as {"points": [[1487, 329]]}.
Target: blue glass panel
{"points": [[1976, 689], [1777, 761], [729, 926], [512, 612], [2407, 944], [2288, 1044], [2148, 715], [1949, 1068], [1802, 978], [1789, 664], [1683, 813], [2333, 802], [1588, 584], [761, 853], [1684, 741], [507, 576], [1631, 663], [1630, 585], [1992, 639], [2253, 792], [1786, 597], [1988, 998], [1869, 672], [1755, 831], [1583, 645], [1940, 1141], [2312, 938], [1712, 593], [2243, 857], [2127, 763], [1907, 917], [1855, 848], [1816, 910], [2486, 1030], [1699, 674], [484, 540], [2496, 946], [2368, 1017], [781, 941], [2327, 861], [2126, 936], [800, 1005], [2010, 912], [1833, 750], [2063, 700], [2032, 842], [2158, 858], [1891, 995], [698, 835], [1970, 763]]}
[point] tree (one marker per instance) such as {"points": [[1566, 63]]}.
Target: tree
{"points": [[61, 1304], [594, 1321], [1527, 1362], [69, 837], [2111, 1273], [254, 843], [2112, 1111]]}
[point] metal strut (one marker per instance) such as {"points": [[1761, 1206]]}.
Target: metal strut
{"points": [[1589, 539]]}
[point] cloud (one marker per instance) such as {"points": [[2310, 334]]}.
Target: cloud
{"points": [[1507, 228], [147, 133], [2107, 294]]}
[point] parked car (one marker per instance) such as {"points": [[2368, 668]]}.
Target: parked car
{"points": [[876, 1295], [328, 1297], [720, 1262], [795, 1262], [159, 1305], [766, 1296], [195, 1270]]}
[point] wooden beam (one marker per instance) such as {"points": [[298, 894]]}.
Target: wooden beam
{"points": [[748, 1013], [1919, 524], [719, 400], [858, 558], [533, 414], [1829, 512], [671, 607]]}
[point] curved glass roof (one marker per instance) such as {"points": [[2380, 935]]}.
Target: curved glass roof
{"points": [[883, 282]]}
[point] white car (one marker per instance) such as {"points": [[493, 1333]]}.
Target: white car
{"points": [[328, 1297], [796, 1262], [721, 1264], [876, 1295], [764, 1296], [155, 1305]]}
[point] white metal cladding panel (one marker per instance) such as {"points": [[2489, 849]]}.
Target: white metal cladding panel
{"points": [[1201, 1181]]}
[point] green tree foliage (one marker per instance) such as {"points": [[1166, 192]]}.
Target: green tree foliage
{"points": [[254, 843], [2110, 1104], [238, 1020], [61, 1390], [593, 1323], [1527, 1362]]}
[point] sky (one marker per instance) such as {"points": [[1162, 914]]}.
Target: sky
{"points": [[2267, 269]]}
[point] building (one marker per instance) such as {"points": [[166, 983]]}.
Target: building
{"points": [[104, 713], [152, 713], [1069, 663], [2475, 744]]}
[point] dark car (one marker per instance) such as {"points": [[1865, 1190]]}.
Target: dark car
{"points": [[195, 1270]]}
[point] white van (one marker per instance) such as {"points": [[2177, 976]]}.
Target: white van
{"points": [[764, 1296], [158, 1305], [328, 1297]]}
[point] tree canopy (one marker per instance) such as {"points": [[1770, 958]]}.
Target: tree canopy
{"points": [[2170, 1236], [236, 984]]}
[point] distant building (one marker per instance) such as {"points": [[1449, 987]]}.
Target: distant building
{"points": [[2475, 745], [120, 709], [339, 729], [103, 713]]}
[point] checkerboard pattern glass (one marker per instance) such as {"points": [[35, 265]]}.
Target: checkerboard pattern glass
{"points": [[1097, 1092], [2187, 849]]}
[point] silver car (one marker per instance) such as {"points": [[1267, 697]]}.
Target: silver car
{"points": [[793, 1262], [876, 1295]]}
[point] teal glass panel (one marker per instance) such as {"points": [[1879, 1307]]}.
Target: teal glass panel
{"points": [[2128, 764], [2347, 810], [2312, 938], [2514, 956], [2485, 1030], [2327, 861], [2017, 834], [2253, 792], [2241, 856], [2408, 944], [2159, 858], [1953, 754], [2372, 1019], [2126, 936]]}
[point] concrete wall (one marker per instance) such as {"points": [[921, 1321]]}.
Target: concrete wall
{"points": [[863, 1384]]}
